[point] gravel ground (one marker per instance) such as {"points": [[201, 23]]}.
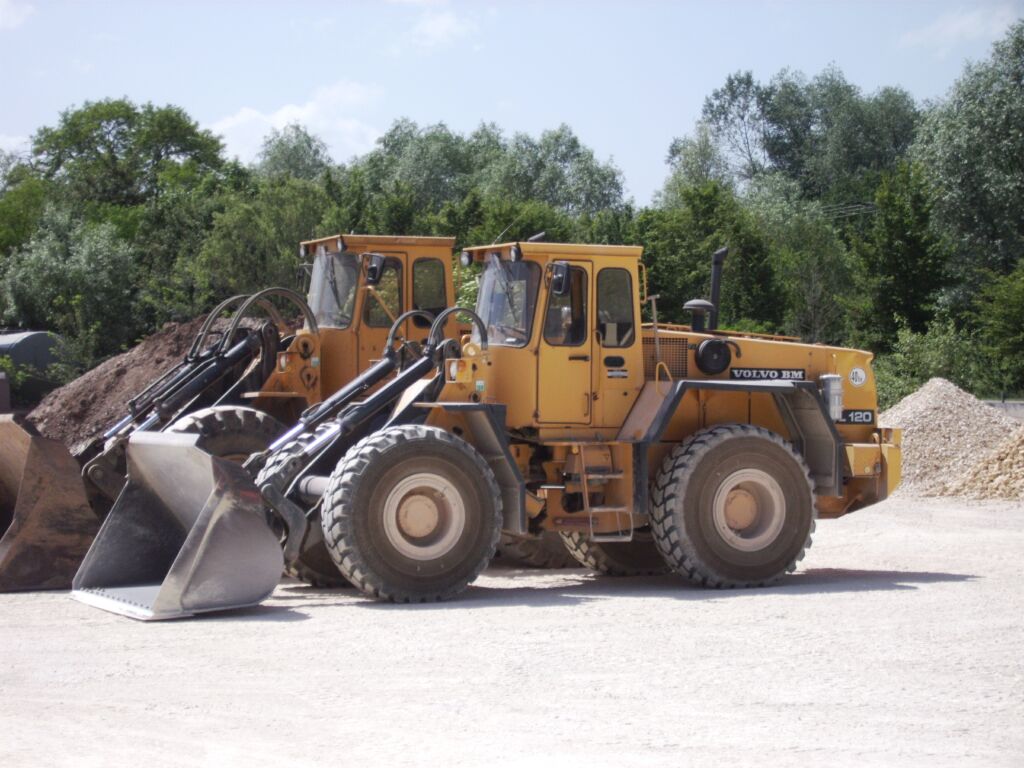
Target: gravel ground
{"points": [[898, 642]]}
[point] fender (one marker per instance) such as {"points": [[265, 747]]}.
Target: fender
{"points": [[486, 422], [799, 404]]}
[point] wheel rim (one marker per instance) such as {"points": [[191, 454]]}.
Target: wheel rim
{"points": [[424, 516], [749, 510]]}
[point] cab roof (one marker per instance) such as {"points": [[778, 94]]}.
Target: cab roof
{"points": [[561, 249], [369, 242]]}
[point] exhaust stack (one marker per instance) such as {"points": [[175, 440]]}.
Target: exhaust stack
{"points": [[717, 261]]}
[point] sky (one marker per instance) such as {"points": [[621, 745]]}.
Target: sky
{"points": [[628, 77]]}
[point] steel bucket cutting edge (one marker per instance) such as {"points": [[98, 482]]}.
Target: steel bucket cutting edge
{"points": [[187, 535]]}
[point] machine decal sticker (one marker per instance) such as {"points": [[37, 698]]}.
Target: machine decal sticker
{"points": [[857, 417], [858, 377], [618, 374], [767, 374]]}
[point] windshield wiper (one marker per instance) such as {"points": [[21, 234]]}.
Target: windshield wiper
{"points": [[332, 280], [505, 273]]}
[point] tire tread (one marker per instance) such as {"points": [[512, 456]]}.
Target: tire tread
{"points": [[673, 476], [336, 512]]}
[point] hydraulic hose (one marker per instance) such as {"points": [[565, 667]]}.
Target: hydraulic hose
{"points": [[434, 338]]}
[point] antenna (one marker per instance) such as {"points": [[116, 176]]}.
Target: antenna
{"points": [[506, 229]]}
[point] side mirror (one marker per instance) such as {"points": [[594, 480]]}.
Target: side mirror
{"points": [[560, 278], [375, 269]]}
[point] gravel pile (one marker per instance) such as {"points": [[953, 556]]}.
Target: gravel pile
{"points": [[946, 432], [998, 475]]}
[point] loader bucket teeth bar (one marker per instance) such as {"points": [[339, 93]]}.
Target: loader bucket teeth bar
{"points": [[46, 522], [187, 535]]}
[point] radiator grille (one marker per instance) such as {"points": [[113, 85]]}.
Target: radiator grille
{"points": [[674, 353]]}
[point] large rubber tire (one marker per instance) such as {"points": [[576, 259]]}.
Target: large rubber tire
{"points": [[230, 432], [544, 551], [638, 557], [733, 506], [412, 514], [314, 565]]}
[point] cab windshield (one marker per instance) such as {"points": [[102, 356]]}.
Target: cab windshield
{"points": [[332, 288], [507, 299]]}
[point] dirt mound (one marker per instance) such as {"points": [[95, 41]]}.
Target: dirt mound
{"points": [[945, 431], [997, 475], [98, 398]]}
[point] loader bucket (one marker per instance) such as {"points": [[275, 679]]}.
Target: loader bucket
{"points": [[46, 522], [187, 534]]}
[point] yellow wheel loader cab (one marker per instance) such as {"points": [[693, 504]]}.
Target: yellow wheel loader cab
{"points": [[359, 285], [238, 391]]}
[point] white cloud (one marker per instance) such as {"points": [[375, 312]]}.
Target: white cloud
{"points": [[961, 26], [328, 113], [13, 13], [437, 29]]}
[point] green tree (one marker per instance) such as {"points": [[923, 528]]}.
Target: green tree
{"points": [[253, 243], [77, 279], [293, 151], [858, 137], [735, 115], [939, 351], [1001, 319], [439, 167], [822, 133], [172, 230], [903, 263], [678, 243], [972, 149], [23, 196], [113, 151], [693, 161], [810, 260], [558, 170], [432, 164]]}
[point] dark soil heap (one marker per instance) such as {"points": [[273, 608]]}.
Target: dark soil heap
{"points": [[94, 401]]}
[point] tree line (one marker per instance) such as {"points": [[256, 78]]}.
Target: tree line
{"points": [[863, 219]]}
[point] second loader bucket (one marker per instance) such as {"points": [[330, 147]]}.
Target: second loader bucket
{"points": [[187, 534], [46, 522]]}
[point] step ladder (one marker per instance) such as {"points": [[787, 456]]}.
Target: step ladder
{"points": [[623, 518]]}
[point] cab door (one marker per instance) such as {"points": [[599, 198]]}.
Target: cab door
{"points": [[379, 306], [565, 366]]}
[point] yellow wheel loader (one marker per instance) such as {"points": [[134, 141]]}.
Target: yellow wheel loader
{"points": [[235, 391], [647, 448]]}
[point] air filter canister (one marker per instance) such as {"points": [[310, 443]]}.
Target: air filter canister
{"points": [[832, 392]]}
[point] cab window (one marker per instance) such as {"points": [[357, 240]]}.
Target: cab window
{"points": [[428, 289], [615, 323], [565, 322], [506, 301], [388, 292]]}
